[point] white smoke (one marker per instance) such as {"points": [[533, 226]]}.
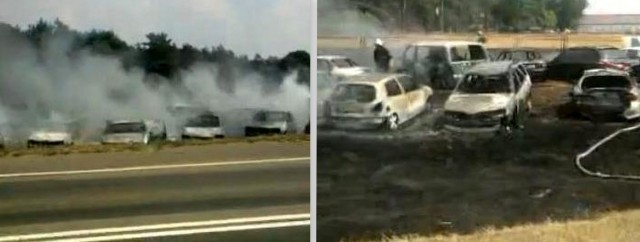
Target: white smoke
{"points": [[337, 18], [93, 89]]}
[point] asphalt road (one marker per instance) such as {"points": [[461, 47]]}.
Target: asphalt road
{"points": [[188, 193]]}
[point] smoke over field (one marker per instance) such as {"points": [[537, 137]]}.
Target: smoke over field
{"points": [[54, 78], [336, 17]]}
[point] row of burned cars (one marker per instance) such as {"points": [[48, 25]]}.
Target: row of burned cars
{"points": [[192, 123], [485, 92]]}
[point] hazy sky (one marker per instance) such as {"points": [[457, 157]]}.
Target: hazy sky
{"points": [[266, 27], [613, 7]]}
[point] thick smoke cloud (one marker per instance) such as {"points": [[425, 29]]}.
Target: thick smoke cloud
{"points": [[338, 18], [92, 89]]}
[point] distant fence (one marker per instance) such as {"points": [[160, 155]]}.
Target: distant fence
{"points": [[542, 41]]}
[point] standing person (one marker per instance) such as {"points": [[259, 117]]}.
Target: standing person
{"points": [[481, 38], [381, 56]]}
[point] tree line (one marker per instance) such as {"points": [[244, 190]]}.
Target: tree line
{"points": [[159, 56], [468, 15]]}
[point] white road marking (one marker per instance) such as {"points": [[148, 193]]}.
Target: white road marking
{"points": [[171, 229], [157, 167], [190, 231]]}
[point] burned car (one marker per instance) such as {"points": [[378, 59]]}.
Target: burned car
{"points": [[571, 63], [492, 97], [266, 122], [440, 64], [377, 101], [532, 60], [606, 93], [52, 133], [340, 67], [133, 132], [207, 125]]}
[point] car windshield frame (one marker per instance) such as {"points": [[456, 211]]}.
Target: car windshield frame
{"points": [[125, 128], [204, 121], [613, 54], [606, 79], [344, 93], [270, 116], [482, 86], [439, 55], [53, 126], [342, 63]]}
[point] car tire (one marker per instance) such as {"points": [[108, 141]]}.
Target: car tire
{"points": [[428, 106]]}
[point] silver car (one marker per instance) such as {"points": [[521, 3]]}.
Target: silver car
{"points": [[52, 133], [602, 93], [203, 126], [133, 132], [267, 122]]}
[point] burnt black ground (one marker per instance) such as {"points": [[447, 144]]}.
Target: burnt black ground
{"points": [[421, 181]]}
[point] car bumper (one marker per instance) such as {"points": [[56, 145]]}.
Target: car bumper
{"points": [[199, 136], [31, 143], [472, 130], [631, 112], [257, 131], [357, 123]]}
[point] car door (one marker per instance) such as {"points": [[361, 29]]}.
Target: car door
{"points": [[526, 81], [460, 62], [416, 97], [521, 86], [396, 99]]}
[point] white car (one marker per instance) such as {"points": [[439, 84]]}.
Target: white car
{"points": [[492, 97], [204, 126], [441, 63], [52, 133], [266, 122], [340, 66], [606, 93], [133, 132], [377, 101]]}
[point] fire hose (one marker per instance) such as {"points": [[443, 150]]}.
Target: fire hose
{"points": [[599, 174]]}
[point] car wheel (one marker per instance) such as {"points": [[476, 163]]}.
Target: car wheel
{"points": [[428, 106], [516, 121], [392, 122]]}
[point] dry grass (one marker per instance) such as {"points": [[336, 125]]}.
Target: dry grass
{"points": [[542, 41], [619, 226], [98, 148], [548, 96]]}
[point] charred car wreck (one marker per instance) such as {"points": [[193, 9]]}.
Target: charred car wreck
{"points": [[204, 126], [53, 133], [604, 94], [377, 101], [492, 98], [267, 122], [133, 132]]}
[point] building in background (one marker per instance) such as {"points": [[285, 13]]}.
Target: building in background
{"points": [[610, 23]]}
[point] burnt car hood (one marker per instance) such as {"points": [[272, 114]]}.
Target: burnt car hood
{"points": [[49, 136], [477, 103]]}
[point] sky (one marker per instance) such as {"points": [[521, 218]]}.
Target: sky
{"points": [[613, 7], [265, 27]]}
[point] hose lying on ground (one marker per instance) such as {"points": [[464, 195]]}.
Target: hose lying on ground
{"points": [[598, 144]]}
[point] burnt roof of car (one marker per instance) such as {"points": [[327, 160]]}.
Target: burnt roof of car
{"points": [[520, 49], [491, 68], [370, 77]]}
